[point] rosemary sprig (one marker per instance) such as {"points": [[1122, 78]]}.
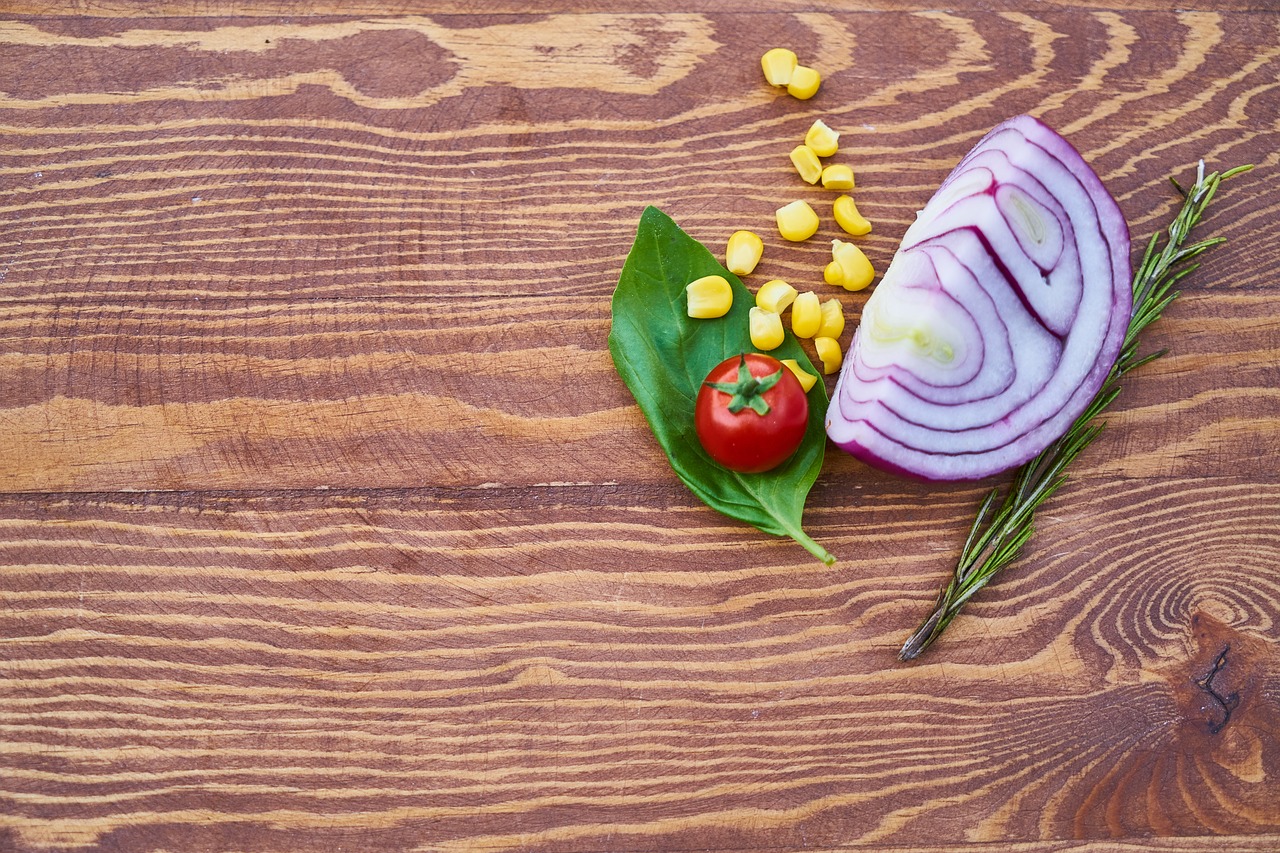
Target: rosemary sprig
{"points": [[996, 540]]}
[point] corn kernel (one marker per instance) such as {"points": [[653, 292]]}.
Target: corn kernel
{"points": [[778, 65], [823, 140], [832, 274], [806, 315], [832, 319], [709, 296], [829, 351], [806, 163], [743, 252], [766, 329], [806, 378], [856, 271], [837, 177], [775, 296], [804, 83], [848, 217], [797, 221]]}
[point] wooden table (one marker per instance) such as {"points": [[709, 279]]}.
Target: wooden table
{"points": [[328, 524]]}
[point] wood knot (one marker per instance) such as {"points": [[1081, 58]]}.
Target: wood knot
{"points": [[1227, 702], [1215, 686]]}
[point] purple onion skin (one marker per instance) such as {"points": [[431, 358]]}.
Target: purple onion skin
{"points": [[1021, 262]]}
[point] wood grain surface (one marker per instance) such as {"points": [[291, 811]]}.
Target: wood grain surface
{"points": [[326, 523]]}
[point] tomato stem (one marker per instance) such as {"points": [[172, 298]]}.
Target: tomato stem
{"points": [[748, 390]]}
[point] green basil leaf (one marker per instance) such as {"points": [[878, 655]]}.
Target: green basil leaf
{"points": [[664, 355]]}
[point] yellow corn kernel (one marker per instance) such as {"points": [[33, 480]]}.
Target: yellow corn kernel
{"points": [[766, 329], [838, 177], [743, 252], [823, 140], [829, 351], [778, 65], [806, 378], [832, 274], [806, 315], [832, 319], [806, 163], [856, 271], [797, 221], [775, 296], [848, 217], [804, 83], [709, 296]]}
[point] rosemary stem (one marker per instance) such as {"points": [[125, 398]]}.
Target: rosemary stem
{"points": [[996, 540]]}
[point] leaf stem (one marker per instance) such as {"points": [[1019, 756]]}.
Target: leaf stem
{"points": [[813, 547], [996, 540]]}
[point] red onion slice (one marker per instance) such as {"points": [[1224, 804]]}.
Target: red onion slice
{"points": [[998, 319]]}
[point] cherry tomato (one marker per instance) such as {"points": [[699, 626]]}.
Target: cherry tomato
{"points": [[751, 413]]}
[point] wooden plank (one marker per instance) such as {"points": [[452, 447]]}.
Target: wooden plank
{"points": [[578, 669], [234, 394], [493, 9], [376, 157]]}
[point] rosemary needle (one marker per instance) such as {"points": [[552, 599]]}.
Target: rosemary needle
{"points": [[996, 538]]}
